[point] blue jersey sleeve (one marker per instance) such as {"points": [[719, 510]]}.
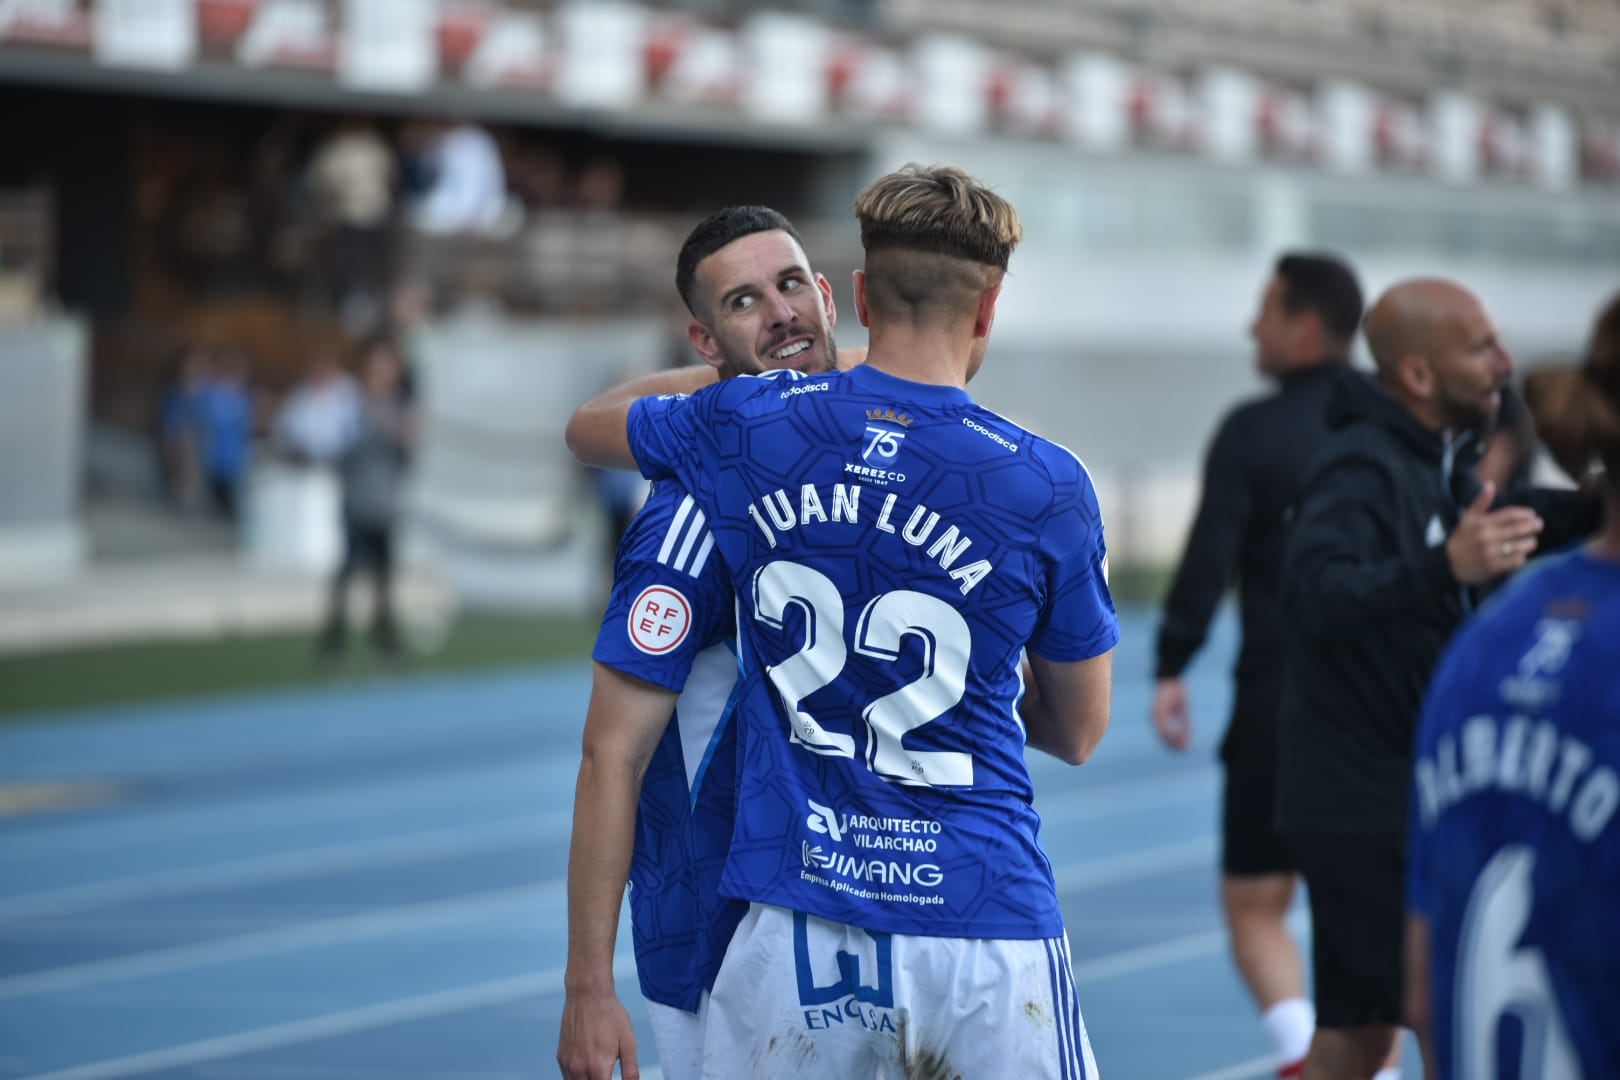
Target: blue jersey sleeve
{"points": [[670, 600], [667, 431], [1078, 620], [662, 430]]}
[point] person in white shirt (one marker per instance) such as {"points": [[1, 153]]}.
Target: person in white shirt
{"points": [[318, 420]]}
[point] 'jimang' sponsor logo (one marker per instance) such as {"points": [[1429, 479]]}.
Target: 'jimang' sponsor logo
{"points": [[877, 871]]}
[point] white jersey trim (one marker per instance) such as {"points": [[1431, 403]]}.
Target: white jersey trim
{"points": [[687, 542]]}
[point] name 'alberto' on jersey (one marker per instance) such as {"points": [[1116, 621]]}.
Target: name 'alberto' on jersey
{"points": [[894, 548], [1515, 830]]}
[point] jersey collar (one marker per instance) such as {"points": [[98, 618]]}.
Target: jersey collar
{"points": [[882, 383]]}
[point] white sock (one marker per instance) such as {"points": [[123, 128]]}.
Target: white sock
{"points": [[1391, 1073], [1290, 1024]]}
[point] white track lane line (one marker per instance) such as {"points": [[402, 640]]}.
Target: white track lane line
{"points": [[407, 918], [1165, 953], [1253, 1069], [347, 1022], [258, 869]]}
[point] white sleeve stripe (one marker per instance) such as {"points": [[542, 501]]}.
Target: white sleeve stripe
{"points": [[692, 534], [701, 559], [674, 532]]}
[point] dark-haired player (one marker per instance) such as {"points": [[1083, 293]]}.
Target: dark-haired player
{"points": [[1253, 473], [659, 745]]}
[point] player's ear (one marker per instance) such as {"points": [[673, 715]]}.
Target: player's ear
{"points": [[1313, 336], [860, 298], [702, 339], [985, 317], [827, 304], [1416, 376]]}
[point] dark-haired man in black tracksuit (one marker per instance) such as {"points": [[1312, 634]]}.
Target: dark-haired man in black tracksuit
{"points": [[1392, 539], [1253, 474]]}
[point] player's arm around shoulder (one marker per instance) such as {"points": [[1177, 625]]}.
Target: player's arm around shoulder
{"points": [[597, 432], [623, 723]]}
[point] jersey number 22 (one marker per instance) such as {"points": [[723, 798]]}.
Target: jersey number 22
{"points": [[879, 633]]}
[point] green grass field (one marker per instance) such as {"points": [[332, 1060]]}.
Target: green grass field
{"points": [[156, 671]]}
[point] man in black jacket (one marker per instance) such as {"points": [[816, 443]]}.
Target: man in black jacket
{"points": [[1392, 538], [1253, 473]]}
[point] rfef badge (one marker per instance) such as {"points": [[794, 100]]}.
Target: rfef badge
{"points": [[659, 619]]}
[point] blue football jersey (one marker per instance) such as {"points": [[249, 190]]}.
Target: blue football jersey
{"points": [[894, 547], [670, 621], [1515, 850]]}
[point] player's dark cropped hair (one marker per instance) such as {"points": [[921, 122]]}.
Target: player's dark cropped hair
{"points": [[1325, 286], [715, 232]]}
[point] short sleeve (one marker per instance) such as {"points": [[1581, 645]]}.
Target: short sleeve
{"points": [[667, 433], [661, 431], [671, 598], [1078, 620]]}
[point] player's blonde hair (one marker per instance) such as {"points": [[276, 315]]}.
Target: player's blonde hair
{"points": [[935, 239], [938, 209]]}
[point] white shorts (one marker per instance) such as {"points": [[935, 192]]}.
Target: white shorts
{"points": [[679, 1035], [801, 998]]}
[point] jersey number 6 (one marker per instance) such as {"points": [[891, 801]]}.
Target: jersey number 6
{"points": [[879, 633]]}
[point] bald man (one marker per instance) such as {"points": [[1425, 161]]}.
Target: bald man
{"points": [[1390, 542]]}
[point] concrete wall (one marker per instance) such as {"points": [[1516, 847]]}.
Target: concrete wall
{"points": [[42, 411]]}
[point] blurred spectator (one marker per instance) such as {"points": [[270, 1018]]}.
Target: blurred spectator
{"points": [[178, 427], [599, 256], [273, 202], [465, 182], [372, 469], [353, 175], [224, 408], [412, 306], [317, 421], [601, 187], [1509, 456], [538, 177], [577, 251], [211, 232], [619, 492]]}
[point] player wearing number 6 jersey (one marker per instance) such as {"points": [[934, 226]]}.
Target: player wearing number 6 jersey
{"points": [[896, 550], [1513, 938]]}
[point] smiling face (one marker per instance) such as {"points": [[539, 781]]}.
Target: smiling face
{"points": [[763, 308]]}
